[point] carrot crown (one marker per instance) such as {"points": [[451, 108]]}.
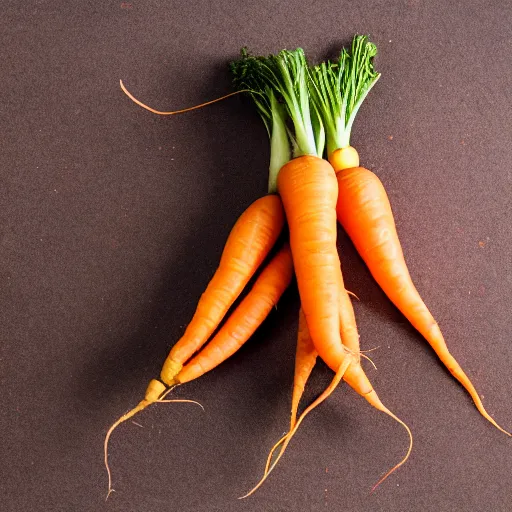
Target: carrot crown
{"points": [[279, 89], [339, 88]]}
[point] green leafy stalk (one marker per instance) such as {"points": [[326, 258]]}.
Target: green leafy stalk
{"points": [[290, 82], [253, 74], [279, 89], [339, 88], [279, 144]]}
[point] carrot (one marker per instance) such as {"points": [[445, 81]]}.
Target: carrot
{"points": [[308, 188], [363, 209], [309, 191], [365, 213], [245, 319], [325, 301], [249, 242]]}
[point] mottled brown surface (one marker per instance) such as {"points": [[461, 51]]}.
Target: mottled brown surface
{"points": [[112, 220]]}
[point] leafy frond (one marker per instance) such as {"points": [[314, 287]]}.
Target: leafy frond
{"points": [[339, 88], [256, 75]]}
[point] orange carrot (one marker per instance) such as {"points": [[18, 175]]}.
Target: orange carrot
{"points": [[365, 213], [308, 188], [309, 191], [245, 319], [363, 209], [249, 242]]}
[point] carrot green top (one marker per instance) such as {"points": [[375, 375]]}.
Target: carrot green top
{"points": [[339, 88], [279, 88]]}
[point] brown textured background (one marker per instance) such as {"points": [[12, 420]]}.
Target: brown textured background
{"points": [[113, 220]]}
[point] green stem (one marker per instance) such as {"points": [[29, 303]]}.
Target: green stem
{"points": [[279, 144], [279, 89]]}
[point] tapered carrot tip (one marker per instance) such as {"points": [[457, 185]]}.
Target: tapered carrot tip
{"points": [[481, 409], [154, 390], [142, 405], [285, 440], [272, 451], [155, 393], [409, 450]]}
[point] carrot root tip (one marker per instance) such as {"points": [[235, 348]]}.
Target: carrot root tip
{"points": [[285, 440], [404, 459]]}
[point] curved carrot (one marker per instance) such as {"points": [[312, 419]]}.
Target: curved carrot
{"points": [[249, 242], [308, 189], [309, 192], [364, 211], [245, 319]]}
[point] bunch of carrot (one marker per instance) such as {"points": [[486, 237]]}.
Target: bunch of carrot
{"points": [[308, 113]]}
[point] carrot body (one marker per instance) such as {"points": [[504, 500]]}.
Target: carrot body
{"points": [[365, 213], [309, 191], [254, 308], [249, 242], [246, 318]]}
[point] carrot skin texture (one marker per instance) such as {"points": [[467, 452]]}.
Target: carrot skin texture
{"points": [[246, 318], [309, 191], [308, 188], [364, 211], [248, 244]]}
